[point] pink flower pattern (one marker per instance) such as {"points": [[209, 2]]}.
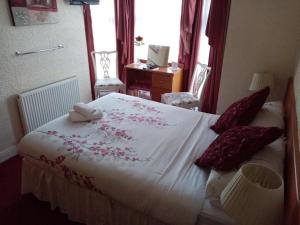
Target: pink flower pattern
{"points": [[75, 145], [69, 174], [149, 120], [113, 131], [138, 105], [113, 142], [119, 117]]}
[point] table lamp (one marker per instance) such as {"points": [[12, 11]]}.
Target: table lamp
{"points": [[254, 196], [261, 80]]}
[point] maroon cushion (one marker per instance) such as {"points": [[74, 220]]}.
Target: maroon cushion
{"points": [[241, 112], [236, 145]]}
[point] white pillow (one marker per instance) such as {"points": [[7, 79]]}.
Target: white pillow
{"points": [[271, 155], [271, 114]]}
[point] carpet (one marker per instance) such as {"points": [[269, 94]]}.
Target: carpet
{"points": [[17, 209]]}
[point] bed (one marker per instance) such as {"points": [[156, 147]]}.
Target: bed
{"points": [[134, 166]]}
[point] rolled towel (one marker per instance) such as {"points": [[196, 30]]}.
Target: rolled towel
{"points": [[87, 111], [96, 115], [84, 109], [77, 117]]}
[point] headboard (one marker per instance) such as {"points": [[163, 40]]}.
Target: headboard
{"points": [[292, 159]]}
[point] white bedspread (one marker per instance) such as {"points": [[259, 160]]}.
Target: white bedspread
{"points": [[141, 153]]}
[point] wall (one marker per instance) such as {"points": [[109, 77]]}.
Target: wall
{"points": [[297, 88], [261, 37], [18, 74]]}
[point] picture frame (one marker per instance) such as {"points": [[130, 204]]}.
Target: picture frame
{"points": [[33, 12]]}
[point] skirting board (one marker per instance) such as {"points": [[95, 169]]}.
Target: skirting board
{"points": [[8, 153]]}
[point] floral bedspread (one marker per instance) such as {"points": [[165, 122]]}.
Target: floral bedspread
{"points": [[141, 153]]}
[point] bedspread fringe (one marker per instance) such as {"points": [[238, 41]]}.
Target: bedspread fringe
{"points": [[80, 204]]}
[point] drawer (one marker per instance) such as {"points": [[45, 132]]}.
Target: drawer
{"points": [[162, 81], [157, 92]]}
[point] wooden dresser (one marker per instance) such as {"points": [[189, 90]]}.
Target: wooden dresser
{"points": [[158, 81]]}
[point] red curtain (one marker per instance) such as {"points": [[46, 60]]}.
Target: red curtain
{"points": [[190, 26], [216, 33], [124, 17], [90, 44]]}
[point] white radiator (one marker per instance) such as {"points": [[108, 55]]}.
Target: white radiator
{"points": [[44, 104]]}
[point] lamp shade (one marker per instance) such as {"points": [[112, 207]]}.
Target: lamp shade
{"points": [[261, 80], [254, 196]]}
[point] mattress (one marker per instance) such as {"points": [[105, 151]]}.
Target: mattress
{"points": [[141, 154]]}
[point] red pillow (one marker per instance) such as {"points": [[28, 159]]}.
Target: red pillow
{"points": [[241, 112], [236, 145]]}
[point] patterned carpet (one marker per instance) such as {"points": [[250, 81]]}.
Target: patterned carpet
{"points": [[23, 210]]}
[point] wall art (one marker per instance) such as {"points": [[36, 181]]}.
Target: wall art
{"points": [[33, 12]]}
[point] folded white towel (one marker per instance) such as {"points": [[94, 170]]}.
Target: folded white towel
{"points": [[84, 109], [87, 111], [77, 117]]}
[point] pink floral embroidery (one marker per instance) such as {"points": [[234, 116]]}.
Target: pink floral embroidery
{"points": [[52, 132], [117, 116], [126, 154], [132, 117], [76, 145], [71, 175], [112, 131], [138, 105], [149, 120], [114, 142]]}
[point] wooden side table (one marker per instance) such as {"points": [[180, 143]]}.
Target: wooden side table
{"points": [[159, 80]]}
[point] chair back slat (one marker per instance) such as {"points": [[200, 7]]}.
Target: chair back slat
{"points": [[199, 79], [102, 62]]}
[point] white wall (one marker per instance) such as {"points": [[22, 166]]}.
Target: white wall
{"points": [[262, 36], [18, 74]]}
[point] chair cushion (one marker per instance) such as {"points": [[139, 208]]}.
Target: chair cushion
{"points": [[108, 82], [241, 112], [180, 99], [236, 145]]}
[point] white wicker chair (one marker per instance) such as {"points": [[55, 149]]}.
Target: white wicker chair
{"points": [[191, 99], [107, 84]]}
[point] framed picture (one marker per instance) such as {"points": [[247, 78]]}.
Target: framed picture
{"points": [[33, 12], [47, 5]]}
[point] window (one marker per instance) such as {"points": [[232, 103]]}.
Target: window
{"points": [[158, 22], [103, 17], [204, 46], [157, 25]]}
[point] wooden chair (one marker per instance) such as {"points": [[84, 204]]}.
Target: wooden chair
{"points": [[191, 99], [102, 65]]}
